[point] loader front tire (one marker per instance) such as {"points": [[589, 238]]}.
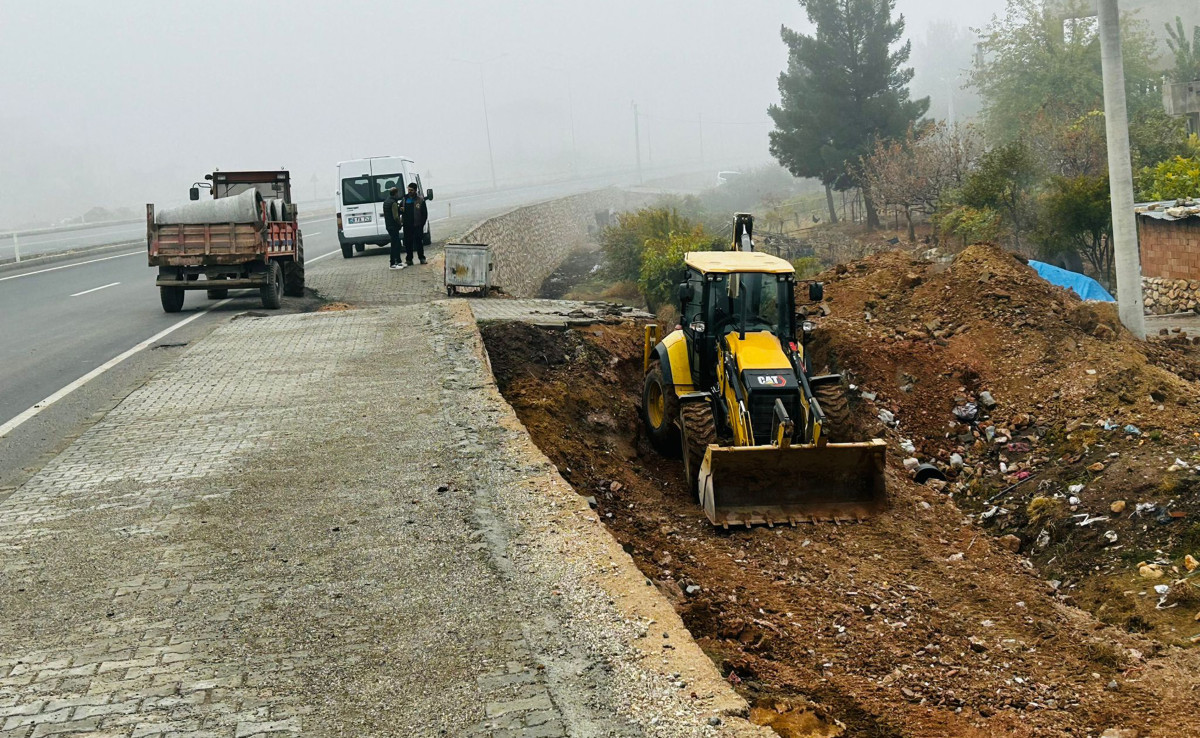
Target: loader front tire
{"points": [[699, 430], [835, 403], [660, 408]]}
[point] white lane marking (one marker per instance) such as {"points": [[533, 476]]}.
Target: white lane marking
{"points": [[94, 289], [439, 220], [313, 234], [68, 266], [16, 422], [322, 256]]}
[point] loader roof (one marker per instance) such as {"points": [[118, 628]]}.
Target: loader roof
{"points": [[725, 262]]}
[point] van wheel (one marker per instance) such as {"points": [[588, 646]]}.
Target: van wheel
{"points": [[360, 247], [427, 237], [172, 298], [272, 291], [347, 251]]}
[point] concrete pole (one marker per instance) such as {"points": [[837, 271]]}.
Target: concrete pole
{"points": [[1120, 173]]}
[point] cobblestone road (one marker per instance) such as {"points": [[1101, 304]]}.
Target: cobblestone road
{"points": [[330, 525]]}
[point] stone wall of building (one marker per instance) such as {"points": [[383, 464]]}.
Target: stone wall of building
{"points": [[530, 242], [1166, 296]]}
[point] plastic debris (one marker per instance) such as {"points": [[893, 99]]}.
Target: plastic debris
{"points": [[908, 447], [967, 412], [928, 472], [1110, 536], [887, 417], [1133, 430], [986, 399], [1075, 489]]}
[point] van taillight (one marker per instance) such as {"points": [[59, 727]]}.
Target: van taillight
{"points": [[339, 219]]}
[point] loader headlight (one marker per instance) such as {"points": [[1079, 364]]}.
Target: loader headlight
{"points": [[807, 326], [697, 326]]}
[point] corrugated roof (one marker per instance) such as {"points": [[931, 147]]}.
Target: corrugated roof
{"points": [[1169, 209], [725, 262]]}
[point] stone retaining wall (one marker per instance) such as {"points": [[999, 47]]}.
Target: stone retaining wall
{"points": [[530, 242], [1166, 296]]}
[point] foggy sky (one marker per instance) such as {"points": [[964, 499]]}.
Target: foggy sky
{"points": [[119, 104]]}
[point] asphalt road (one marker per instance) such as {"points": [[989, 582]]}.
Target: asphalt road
{"points": [[52, 242]]}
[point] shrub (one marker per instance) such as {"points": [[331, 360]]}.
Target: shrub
{"points": [[625, 243]]}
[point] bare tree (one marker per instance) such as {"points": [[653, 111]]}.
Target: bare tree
{"points": [[913, 174]]}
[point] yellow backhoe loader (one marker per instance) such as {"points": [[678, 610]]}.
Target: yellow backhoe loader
{"points": [[762, 439]]}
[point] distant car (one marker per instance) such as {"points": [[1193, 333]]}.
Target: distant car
{"points": [[363, 185], [725, 177]]}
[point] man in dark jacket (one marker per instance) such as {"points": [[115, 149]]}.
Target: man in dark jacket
{"points": [[392, 219], [415, 215]]}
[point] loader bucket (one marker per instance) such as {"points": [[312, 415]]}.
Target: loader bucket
{"points": [[772, 485]]}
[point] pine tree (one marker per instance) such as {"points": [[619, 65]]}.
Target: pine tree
{"points": [[845, 88]]}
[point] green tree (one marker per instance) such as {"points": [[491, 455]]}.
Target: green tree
{"points": [[1174, 178], [1187, 52], [1005, 183], [1076, 215], [1033, 63], [663, 267], [624, 244], [845, 87]]}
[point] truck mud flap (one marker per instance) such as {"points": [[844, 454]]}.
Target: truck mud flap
{"points": [[770, 485]]}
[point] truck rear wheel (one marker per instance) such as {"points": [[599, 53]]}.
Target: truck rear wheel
{"points": [[172, 298], [272, 291], [293, 274], [347, 251], [660, 409]]}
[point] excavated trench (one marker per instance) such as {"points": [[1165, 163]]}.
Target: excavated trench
{"points": [[911, 624]]}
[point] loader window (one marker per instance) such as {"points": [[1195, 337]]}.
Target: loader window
{"points": [[356, 191], [754, 302]]}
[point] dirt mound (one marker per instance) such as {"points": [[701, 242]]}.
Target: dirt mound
{"points": [[1076, 460], [916, 623]]}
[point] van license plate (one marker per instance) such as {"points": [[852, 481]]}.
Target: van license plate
{"points": [[359, 219]]}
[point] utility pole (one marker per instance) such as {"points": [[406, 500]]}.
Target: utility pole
{"points": [[1120, 173], [487, 126], [637, 141]]}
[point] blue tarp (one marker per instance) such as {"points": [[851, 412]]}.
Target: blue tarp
{"points": [[1086, 287]]}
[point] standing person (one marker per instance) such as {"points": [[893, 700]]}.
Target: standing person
{"points": [[392, 218], [415, 215]]}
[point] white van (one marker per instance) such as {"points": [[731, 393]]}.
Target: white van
{"points": [[363, 185]]}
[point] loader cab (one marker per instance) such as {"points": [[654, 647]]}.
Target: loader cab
{"points": [[733, 292]]}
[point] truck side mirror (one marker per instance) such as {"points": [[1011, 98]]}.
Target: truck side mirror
{"points": [[429, 194], [194, 193], [816, 291], [685, 292]]}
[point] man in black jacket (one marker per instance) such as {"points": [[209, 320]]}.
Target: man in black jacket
{"points": [[392, 219], [415, 215]]}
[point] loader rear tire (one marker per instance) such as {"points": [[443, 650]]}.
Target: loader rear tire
{"points": [[660, 408], [835, 403], [699, 430]]}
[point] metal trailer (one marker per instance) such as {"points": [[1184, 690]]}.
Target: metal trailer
{"points": [[266, 252], [468, 266]]}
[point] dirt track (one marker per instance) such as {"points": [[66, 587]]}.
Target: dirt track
{"points": [[917, 623]]}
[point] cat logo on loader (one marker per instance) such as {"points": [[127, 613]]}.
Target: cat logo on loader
{"points": [[732, 390]]}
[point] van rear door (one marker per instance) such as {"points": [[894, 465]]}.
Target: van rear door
{"points": [[359, 210], [386, 172]]}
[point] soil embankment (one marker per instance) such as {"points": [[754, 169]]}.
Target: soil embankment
{"points": [[924, 621]]}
